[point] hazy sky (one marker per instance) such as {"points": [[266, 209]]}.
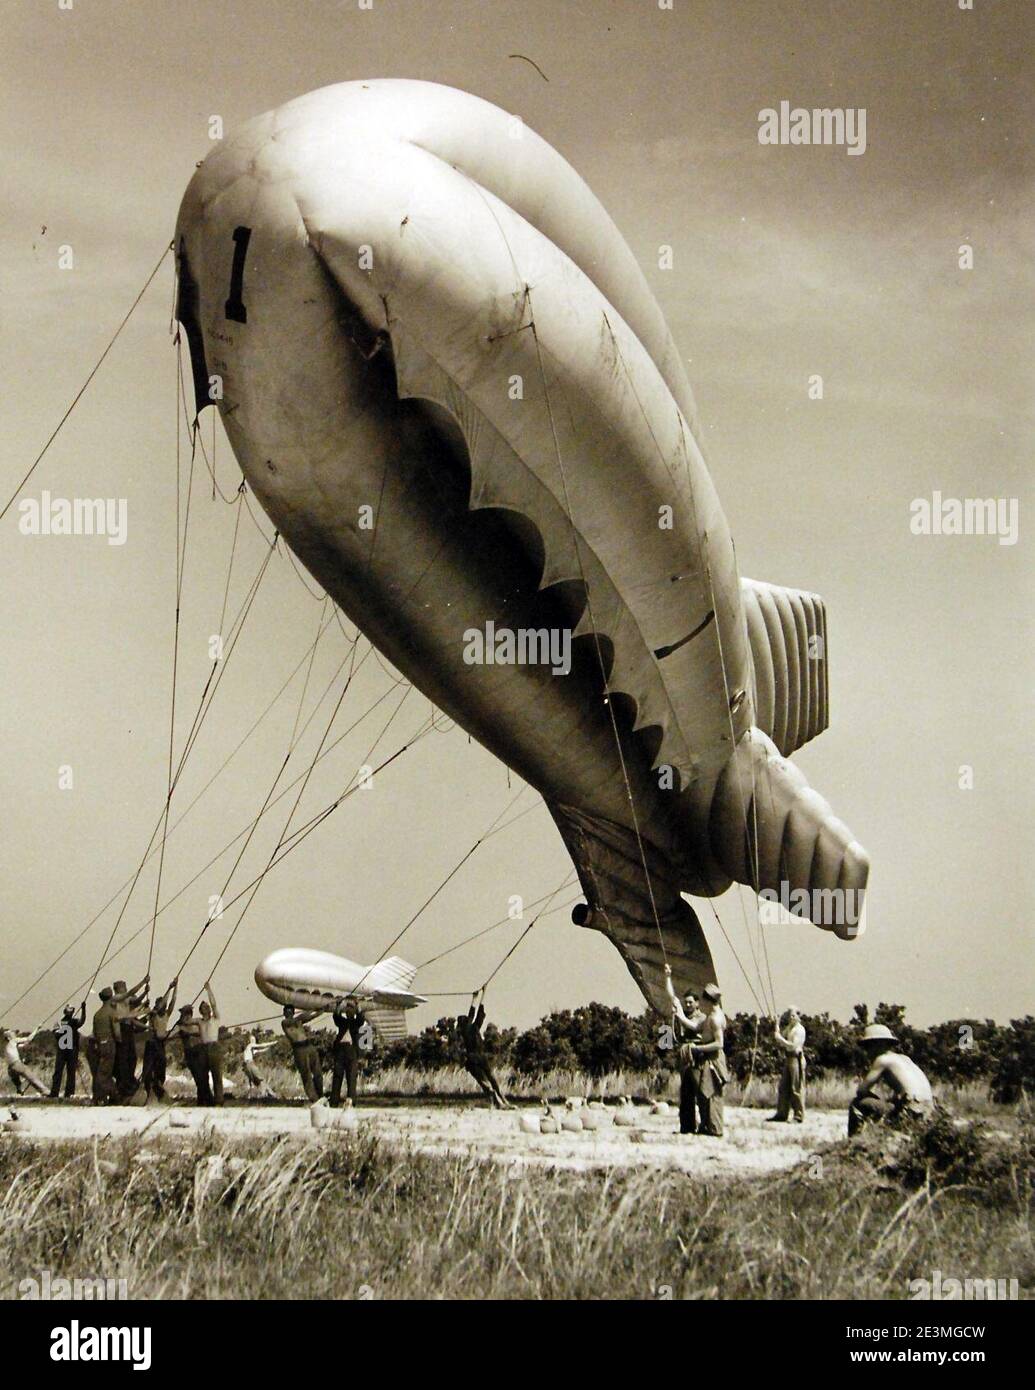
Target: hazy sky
{"points": [[788, 262]]}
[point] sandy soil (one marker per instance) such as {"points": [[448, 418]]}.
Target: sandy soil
{"points": [[749, 1147]]}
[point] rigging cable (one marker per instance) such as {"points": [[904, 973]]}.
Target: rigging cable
{"points": [[79, 394]]}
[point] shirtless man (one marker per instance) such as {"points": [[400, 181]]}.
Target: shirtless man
{"points": [[909, 1094], [211, 1048], [303, 1049], [194, 1059], [16, 1068], [159, 1029]]}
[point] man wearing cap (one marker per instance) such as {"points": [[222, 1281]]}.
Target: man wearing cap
{"points": [[791, 1094], [909, 1091], [711, 1075], [687, 1021]]}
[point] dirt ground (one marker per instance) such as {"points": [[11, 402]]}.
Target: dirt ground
{"points": [[750, 1145]]}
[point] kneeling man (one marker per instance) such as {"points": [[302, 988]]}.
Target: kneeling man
{"points": [[908, 1091]]}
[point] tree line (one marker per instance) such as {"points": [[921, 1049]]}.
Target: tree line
{"points": [[597, 1039]]}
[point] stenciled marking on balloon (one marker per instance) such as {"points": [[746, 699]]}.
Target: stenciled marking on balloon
{"points": [[662, 652], [76, 516], [523, 646]]}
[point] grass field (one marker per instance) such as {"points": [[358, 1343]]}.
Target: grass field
{"points": [[346, 1216], [828, 1093]]}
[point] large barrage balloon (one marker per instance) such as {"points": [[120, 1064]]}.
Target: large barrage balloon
{"points": [[419, 314]]}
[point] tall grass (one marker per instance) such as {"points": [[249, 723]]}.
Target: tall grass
{"points": [[826, 1093], [336, 1216]]}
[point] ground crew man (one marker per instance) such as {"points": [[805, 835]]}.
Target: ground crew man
{"points": [[687, 1021], [255, 1078], [101, 1052], [791, 1093], [304, 1051], [194, 1053], [211, 1047], [159, 1029], [476, 1059], [909, 1095], [711, 1075], [128, 1013], [353, 1029], [16, 1068], [66, 1049]]}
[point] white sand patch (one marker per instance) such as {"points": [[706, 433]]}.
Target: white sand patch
{"points": [[749, 1147]]}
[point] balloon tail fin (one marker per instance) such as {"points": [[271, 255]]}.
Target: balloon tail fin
{"points": [[633, 898]]}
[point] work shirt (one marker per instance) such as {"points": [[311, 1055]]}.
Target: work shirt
{"points": [[160, 1025], [796, 1037], [11, 1046], [66, 1026]]}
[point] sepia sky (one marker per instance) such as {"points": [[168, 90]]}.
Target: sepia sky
{"points": [[788, 261]]}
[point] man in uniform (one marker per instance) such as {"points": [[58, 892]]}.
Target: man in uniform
{"points": [[101, 1052]]}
